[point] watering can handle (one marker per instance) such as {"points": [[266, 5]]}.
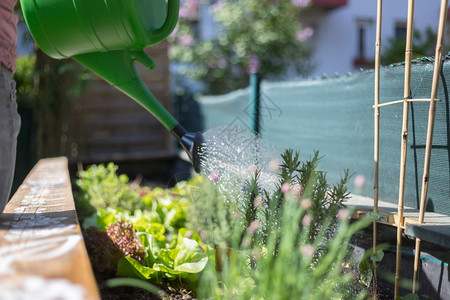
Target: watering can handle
{"points": [[161, 33]]}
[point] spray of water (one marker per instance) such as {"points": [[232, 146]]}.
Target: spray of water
{"points": [[231, 157]]}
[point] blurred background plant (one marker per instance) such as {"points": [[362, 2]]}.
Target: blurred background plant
{"points": [[263, 36], [424, 43]]}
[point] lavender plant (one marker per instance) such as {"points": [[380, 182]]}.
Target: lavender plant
{"points": [[289, 243]]}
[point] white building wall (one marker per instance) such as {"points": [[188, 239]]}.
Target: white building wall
{"points": [[335, 44]]}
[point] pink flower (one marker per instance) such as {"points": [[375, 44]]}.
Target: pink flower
{"points": [[254, 225], [359, 181], [343, 214], [307, 250], [306, 203], [217, 6], [183, 13], [274, 165], [222, 62], [306, 221], [252, 169], [188, 9], [297, 189], [300, 3], [214, 176], [304, 34], [285, 187], [186, 40], [254, 64]]}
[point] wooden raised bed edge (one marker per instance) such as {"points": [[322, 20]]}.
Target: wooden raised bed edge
{"points": [[40, 236]]}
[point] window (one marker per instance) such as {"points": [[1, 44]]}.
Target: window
{"points": [[364, 34], [400, 30]]}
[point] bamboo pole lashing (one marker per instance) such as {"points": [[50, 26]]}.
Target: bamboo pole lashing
{"points": [[403, 100], [376, 140], [404, 142], [430, 130]]}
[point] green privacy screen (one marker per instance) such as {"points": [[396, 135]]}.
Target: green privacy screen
{"points": [[335, 117]]}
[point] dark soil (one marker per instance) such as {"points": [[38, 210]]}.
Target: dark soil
{"points": [[119, 293]]}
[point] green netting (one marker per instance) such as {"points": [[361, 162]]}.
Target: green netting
{"points": [[335, 116]]}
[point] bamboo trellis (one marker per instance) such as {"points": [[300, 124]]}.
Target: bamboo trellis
{"points": [[404, 136]]}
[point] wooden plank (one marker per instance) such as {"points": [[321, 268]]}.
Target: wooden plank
{"points": [[40, 238], [410, 213], [436, 228]]}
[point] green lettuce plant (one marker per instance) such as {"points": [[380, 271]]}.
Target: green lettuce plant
{"points": [[139, 233]]}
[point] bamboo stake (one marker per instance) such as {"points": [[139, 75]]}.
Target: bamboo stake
{"points": [[401, 192], [429, 141], [376, 155]]}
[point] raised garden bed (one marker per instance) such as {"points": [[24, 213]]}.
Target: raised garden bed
{"points": [[187, 242], [201, 243]]}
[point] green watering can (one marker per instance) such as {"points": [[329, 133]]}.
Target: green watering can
{"points": [[108, 37]]}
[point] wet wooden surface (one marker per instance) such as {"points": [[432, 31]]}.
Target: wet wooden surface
{"points": [[41, 246]]}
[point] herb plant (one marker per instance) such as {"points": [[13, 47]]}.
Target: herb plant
{"points": [[289, 243]]}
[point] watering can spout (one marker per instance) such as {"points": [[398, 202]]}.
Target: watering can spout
{"points": [[117, 68], [192, 144]]}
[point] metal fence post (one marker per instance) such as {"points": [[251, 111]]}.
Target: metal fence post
{"points": [[255, 81]]}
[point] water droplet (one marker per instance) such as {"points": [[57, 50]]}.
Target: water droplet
{"points": [[236, 154]]}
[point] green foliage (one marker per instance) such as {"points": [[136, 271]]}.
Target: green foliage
{"points": [[297, 180], [367, 266], [165, 249], [132, 282], [290, 243], [409, 297], [254, 35], [286, 268], [423, 45], [365, 270], [101, 187], [182, 260], [24, 77]]}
